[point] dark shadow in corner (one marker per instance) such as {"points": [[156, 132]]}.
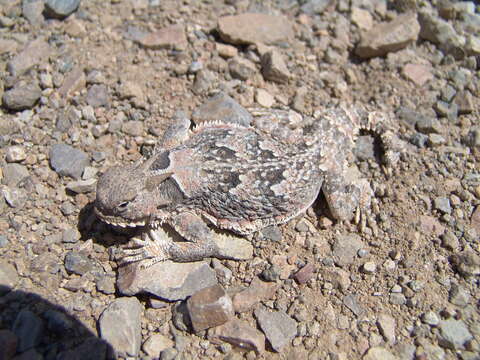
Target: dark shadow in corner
{"points": [[45, 329]]}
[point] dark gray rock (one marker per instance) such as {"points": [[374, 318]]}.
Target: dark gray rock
{"points": [[92, 348], [29, 329], [222, 107], [57, 321], [22, 96], [68, 161], [60, 8], [272, 233], [79, 263], [8, 344], [272, 273], [120, 326], [278, 327]]}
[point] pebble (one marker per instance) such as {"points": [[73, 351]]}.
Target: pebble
{"points": [[387, 37], [465, 103], [397, 299], [222, 107], [386, 325], [60, 9], [430, 318], [29, 329], [120, 326], [8, 277], [14, 173], [273, 233], [240, 334], [133, 128], [362, 18], [167, 280], [278, 327], [252, 28], [35, 52], [242, 69], [272, 273], [79, 263], [22, 96], [73, 82], [256, 292], [130, 89], [68, 161], [8, 344], [339, 278], [3, 241], [305, 273], [442, 204], [226, 51], [15, 197], [312, 7], [435, 140], [274, 68], [233, 247], [209, 307], [450, 241], [453, 334], [264, 98], [369, 267], [97, 95], [345, 249], [170, 37], [459, 296], [351, 302], [379, 353], [155, 344], [15, 153], [417, 73], [82, 186], [429, 125]]}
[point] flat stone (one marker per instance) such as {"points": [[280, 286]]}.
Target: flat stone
{"points": [[257, 291], [35, 52], [278, 327], [167, 280], [305, 273], [387, 324], [8, 344], [379, 353], [453, 334], [209, 307], [351, 302], [251, 28], [264, 98], [90, 348], [8, 277], [172, 36], [60, 9], [29, 329], [345, 249], [120, 326], [387, 37], [68, 161], [274, 68], [14, 173], [73, 82], [32, 11], [442, 204], [417, 73], [155, 344], [22, 96], [97, 95], [233, 247], [240, 334], [222, 107], [82, 186]]}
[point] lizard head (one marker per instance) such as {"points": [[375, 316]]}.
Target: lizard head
{"points": [[136, 195]]}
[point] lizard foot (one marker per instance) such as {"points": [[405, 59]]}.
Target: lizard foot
{"points": [[149, 251]]}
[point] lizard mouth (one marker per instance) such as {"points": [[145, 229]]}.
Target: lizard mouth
{"points": [[116, 221]]}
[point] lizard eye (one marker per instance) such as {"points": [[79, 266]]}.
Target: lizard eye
{"points": [[123, 206]]}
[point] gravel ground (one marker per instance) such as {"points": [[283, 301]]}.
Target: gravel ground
{"points": [[86, 85]]}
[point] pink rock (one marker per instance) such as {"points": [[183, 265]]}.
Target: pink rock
{"points": [[304, 274], [240, 334], [257, 291], [431, 225], [172, 36], [419, 74]]}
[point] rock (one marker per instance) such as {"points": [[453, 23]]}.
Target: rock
{"points": [[474, 220], [91, 348], [339, 278], [68, 161], [8, 46], [441, 33], [15, 153], [171, 37], [278, 327], [264, 98], [240, 334], [8, 277], [273, 233], [226, 51], [379, 353], [305, 273], [431, 225], [430, 318], [464, 102], [13, 174], [429, 125], [450, 241], [22, 96], [458, 296], [386, 324], [58, 322], [130, 89], [74, 81], [345, 249], [167, 280], [36, 52], [155, 344], [453, 334], [79, 263], [32, 11], [209, 307], [15, 197], [369, 267], [350, 301], [387, 37], [120, 326], [8, 344], [133, 128], [222, 107], [60, 9], [257, 291], [242, 69], [29, 329], [82, 186], [97, 95], [233, 247], [362, 18], [312, 7], [417, 73], [442, 204], [251, 28], [274, 68], [3, 241]]}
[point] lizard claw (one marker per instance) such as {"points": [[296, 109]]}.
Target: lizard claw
{"points": [[148, 251]]}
